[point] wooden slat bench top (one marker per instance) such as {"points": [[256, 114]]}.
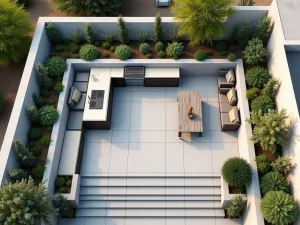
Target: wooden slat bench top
{"points": [[185, 100]]}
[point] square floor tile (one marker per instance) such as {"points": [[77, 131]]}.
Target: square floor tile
{"points": [[121, 95], [212, 83], [174, 158], [121, 116], [172, 136], [171, 96], [214, 116], [212, 96], [144, 96], [118, 158], [147, 136], [120, 136], [193, 83], [223, 136], [172, 116], [98, 136]]}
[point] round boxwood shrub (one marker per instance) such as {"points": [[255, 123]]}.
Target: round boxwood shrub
{"points": [[200, 55], [56, 66], [236, 172], [263, 164], [112, 48], [48, 115], [257, 77], [88, 52], [231, 57], [144, 48], [159, 46], [279, 208], [34, 134], [236, 207], [221, 46], [69, 183], [175, 50], [60, 182], [123, 52], [262, 103], [274, 181]]}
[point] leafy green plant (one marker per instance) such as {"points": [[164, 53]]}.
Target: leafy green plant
{"points": [[48, 115], [270, 88], [282, 165], [22, 2], [46, 140], [45, 93], [59, 87], [221, 46], [112, 49], [59, 48], [252, 93], [63, 206], [88, 52], [209, 22], [30, 203], [236, 207], [262, 103], [69, 183], [53, 33], [255, 52], [38, 172], [109, 36], [161, 54], [123, 52], [76, 36], [89, 32], [97, 43], [263, 164], [24, 156], [175, 50], [75, 49], [144, 48], [149, 56], [263, 29], [274, 181], [257, 77], [241, 34], [236, 172], [270, 129], [157, 29], [106, 45], [49, 129], [38, 101], [56, 66], [123, 31], [42, 77], [34, 134], [247, 2], [32, 114], [37, 149], [105, 54], [17, 174], [231, 57], [278, 207], [142, 36], [174, 34], [62, 190], [159, 46], [199, 55], [60, 182]]}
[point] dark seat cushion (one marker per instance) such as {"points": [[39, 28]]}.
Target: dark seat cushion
{"points": [[71, 102], [82, 77]]}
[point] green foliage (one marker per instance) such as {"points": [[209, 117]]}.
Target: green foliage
{"points": [[282, 165], [157, 29], [199, 55], [142, 36], [274, 181], [255, 52], [38, 101], [161, 54], [59, 87], [33, 114], [257, 77], [23, 203], [69, 183], [223, 53], [247, 2], [263, 104], [236, 207], [231, 57], [37, 149], [236, 172], [1, 100], [252, 93], [221, 46], [144, 48], [59, 48], [270, 88], [106, 45], [123, 52], [149, 56], [34, 134], [112, 49], [241, 34], [15, 32], [89, 32], [38, 172], [75, 49], [279, 208], [45, 93], [17, 174], [62, 190], [60, 182], [22, 2], [56, 66], [46, 140], [105, 54], [175, 50], [209, 53], [48, 115], [159, 46], [53, 34], [203, 20], [109, 37], [63, 206], [49, 129], [174, 34], [24, 156], [76, 36], [270, 129], [42, 76], [97, 43], [263, 164], [263, 29], [123, 31], [89, 52]]}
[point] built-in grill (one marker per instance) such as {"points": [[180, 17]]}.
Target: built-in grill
{"points": [[134, 76], [96, 101]]}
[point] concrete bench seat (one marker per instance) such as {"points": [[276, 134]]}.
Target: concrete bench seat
{"points": [[81, 86], [82, 77], [75, 120]]}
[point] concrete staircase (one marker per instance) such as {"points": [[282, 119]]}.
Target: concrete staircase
{"points": [[150, 197]]}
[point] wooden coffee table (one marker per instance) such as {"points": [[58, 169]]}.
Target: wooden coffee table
{"points": [[185, 100]]}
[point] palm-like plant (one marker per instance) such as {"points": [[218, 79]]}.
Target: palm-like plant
{"points": [[274, 181], [262, 103], [14, 32], [201, 20], [257, 77]]}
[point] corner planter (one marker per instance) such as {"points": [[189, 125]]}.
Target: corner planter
{"points": [[73, 196], [226, 196]]}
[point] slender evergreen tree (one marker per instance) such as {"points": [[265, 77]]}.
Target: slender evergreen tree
{"points": [[123, 31], [157, 29]]}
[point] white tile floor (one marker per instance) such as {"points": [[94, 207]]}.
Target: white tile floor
{"points": [[144, 137]]}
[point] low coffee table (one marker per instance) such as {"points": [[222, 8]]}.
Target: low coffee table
{"points": [[185, 100]]}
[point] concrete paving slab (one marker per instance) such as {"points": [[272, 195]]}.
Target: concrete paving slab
{"points": [[144, 96], [147, 136], [212, 96], [212, 83], [214, 116], [174, 158], [171, 95], [121, 95], [193, 83], [223, 136], [172, 136], [120, 136], [118, 158], [121, 116], [172, 116], [98, 136], [194, 137]]}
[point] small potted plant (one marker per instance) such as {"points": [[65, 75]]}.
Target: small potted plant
{"points": [[190, 113]]}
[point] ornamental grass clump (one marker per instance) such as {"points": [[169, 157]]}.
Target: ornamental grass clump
{"points": [[278, 208], [123, 52], [175, 50], [274, 181], [255, 52], [48, 115], [237, 172], [88, 52], [56, 66], [236, 207], [257, 77], [263, 164], [262, 103]]}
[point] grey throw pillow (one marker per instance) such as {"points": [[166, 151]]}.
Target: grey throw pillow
{"points": [[230, 77]]}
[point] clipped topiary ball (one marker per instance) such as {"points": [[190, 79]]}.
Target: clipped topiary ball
{"points": [[274, 181], [88, 52], [200, 55], [34, 134], [56, 66], [144, 48], [159, 46], [48, 115], [237, 172], [231, 57], [123, 52]]}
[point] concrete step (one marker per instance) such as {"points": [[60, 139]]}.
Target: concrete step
{"points": [[149, 204], [149, 175], [150, 191], [151, 213]]}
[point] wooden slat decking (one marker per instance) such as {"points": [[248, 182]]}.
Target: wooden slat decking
{"points": [[185, 100]]}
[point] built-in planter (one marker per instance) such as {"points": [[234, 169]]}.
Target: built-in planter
{"points": [[73, 196]]}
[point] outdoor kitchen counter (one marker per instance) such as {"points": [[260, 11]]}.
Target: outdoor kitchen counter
{"points": [[162, 77]]}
